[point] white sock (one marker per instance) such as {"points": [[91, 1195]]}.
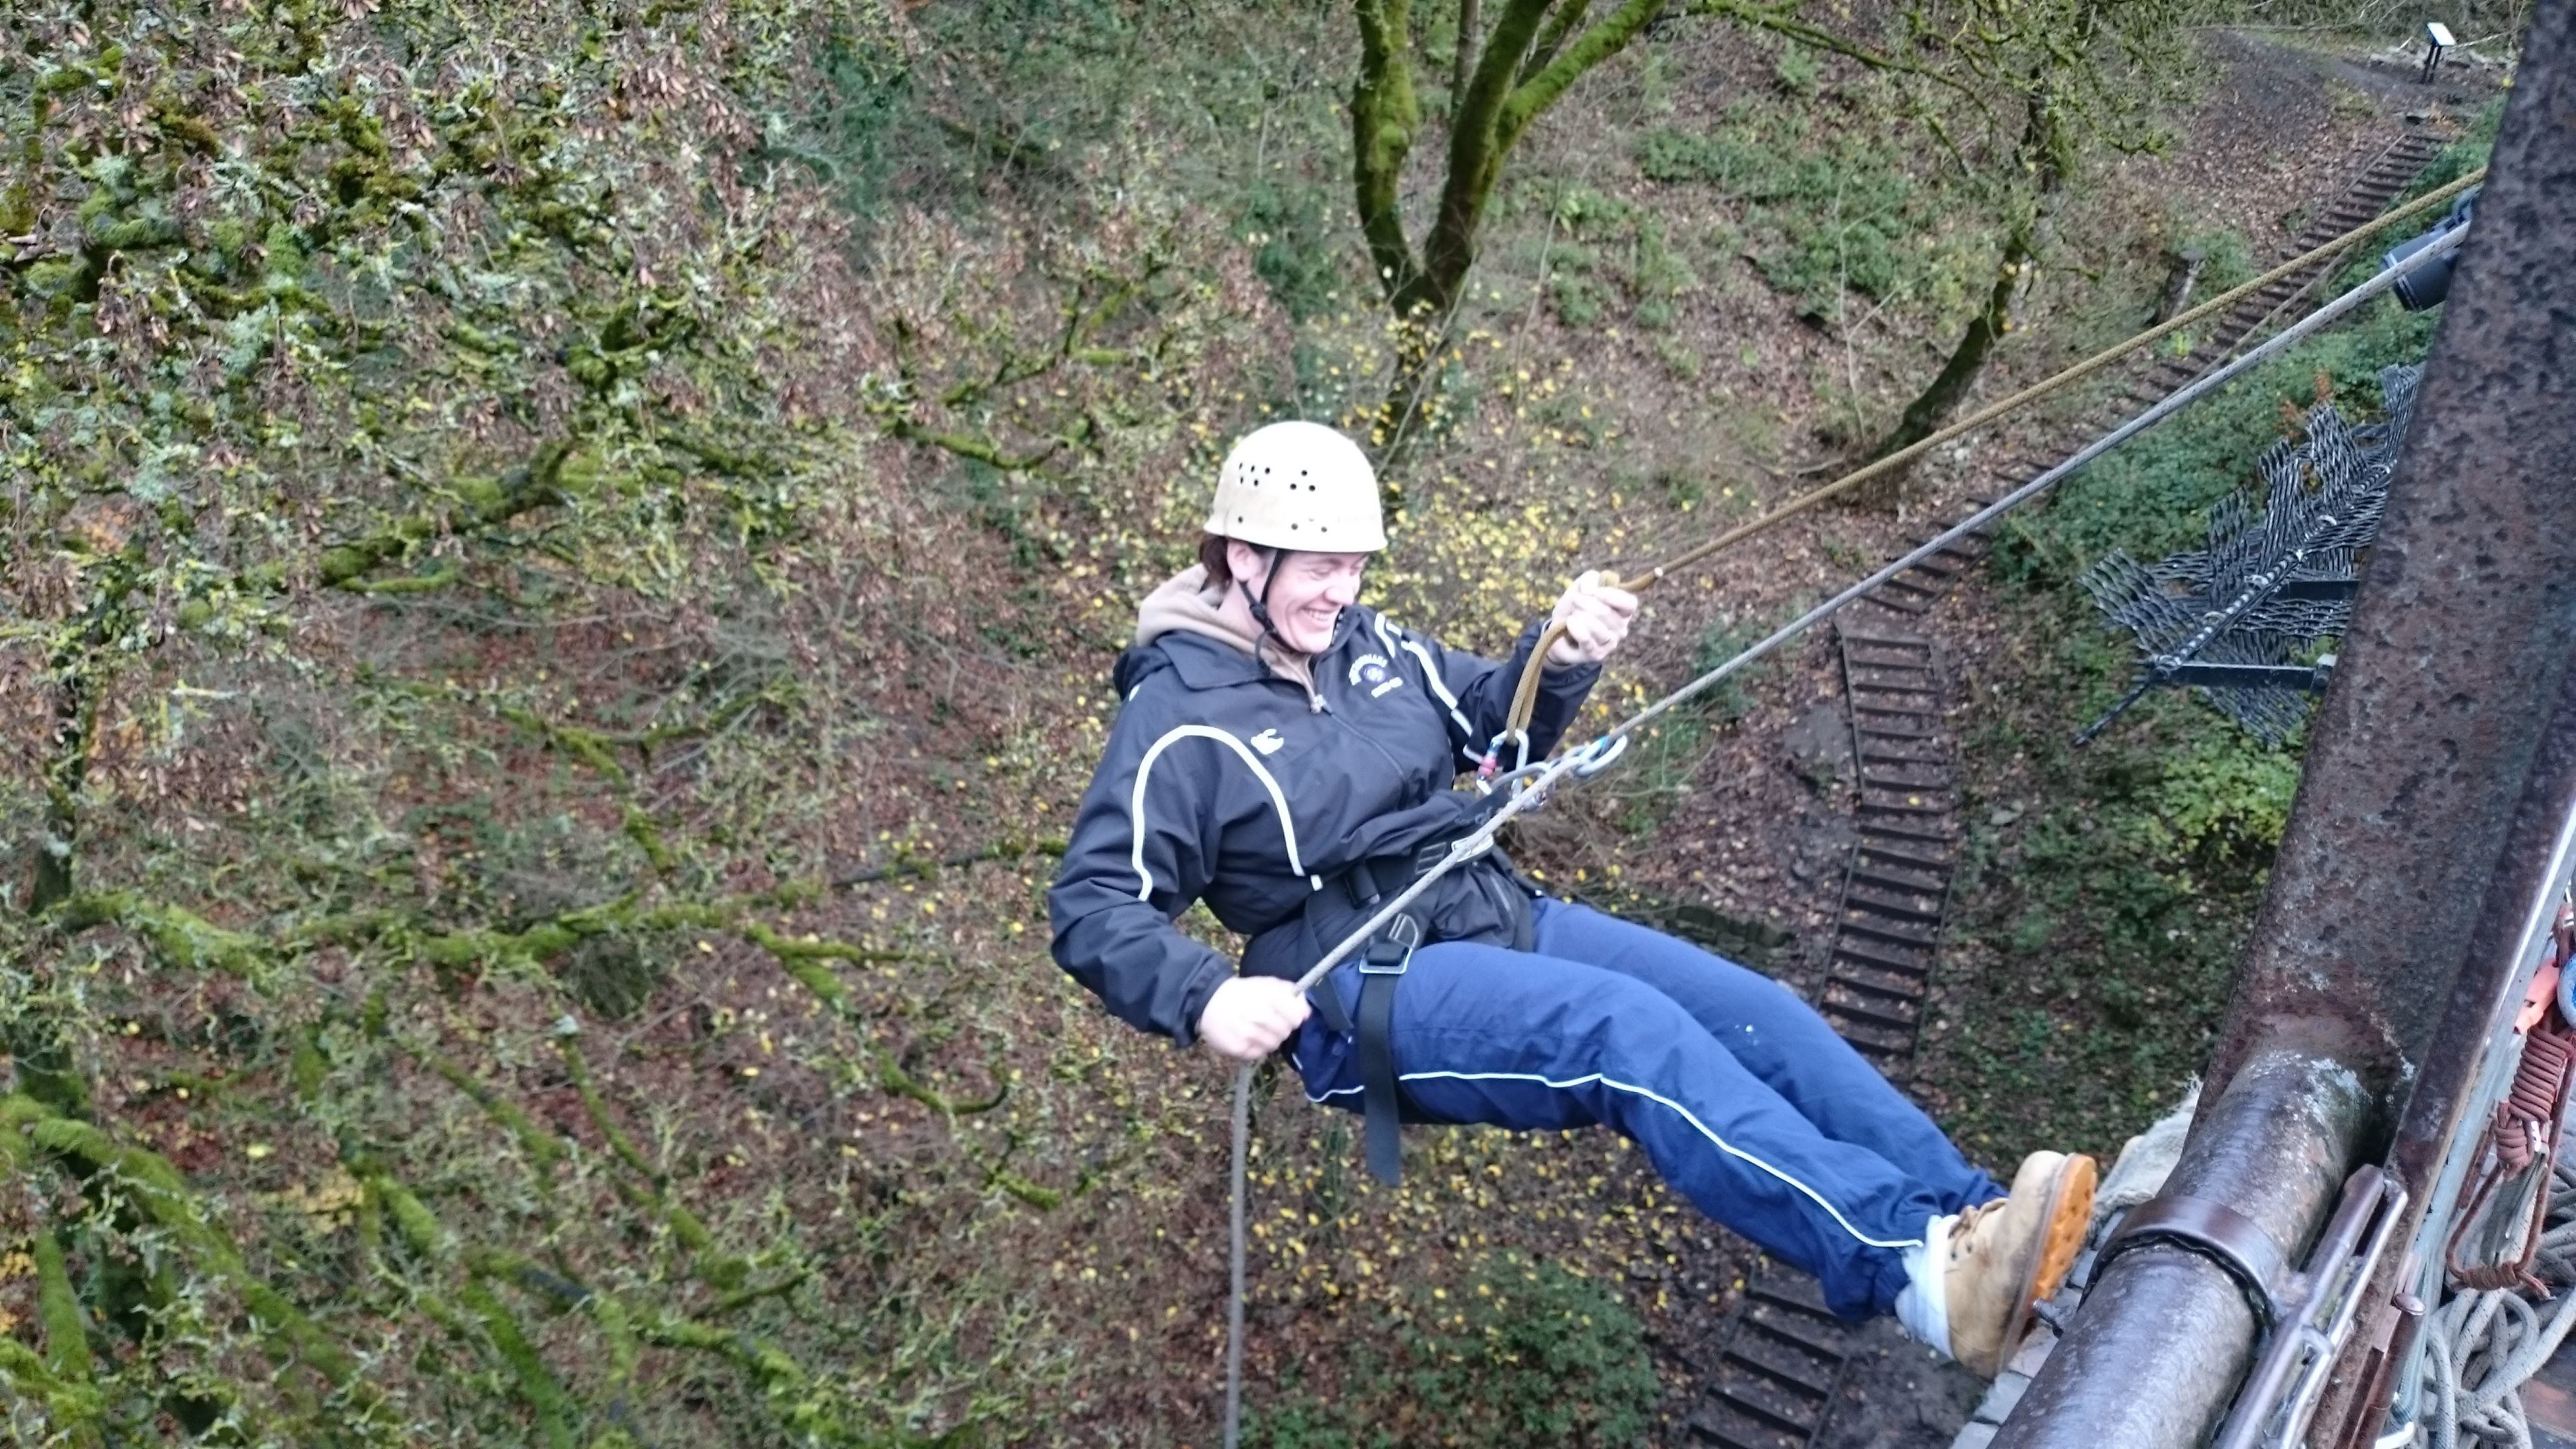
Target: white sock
{"points": [[1923, 1308]]}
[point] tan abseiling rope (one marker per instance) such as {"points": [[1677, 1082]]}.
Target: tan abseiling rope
{"points": [[1525, 697]]}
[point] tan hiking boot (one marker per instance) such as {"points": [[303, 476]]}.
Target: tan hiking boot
{"points": [[2008, 1254]]}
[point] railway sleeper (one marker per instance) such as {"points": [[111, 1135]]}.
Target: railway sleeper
{"points": [[1906, 883], [1906, 905], [1862, 634], [1851, 957], [1907, 829], [1887, 1047], [1769, 1403], [1898, 1024], [1745, 1427], [1907, 852], [1903, 998], [1726, 1429], [1925, 752], [1795, 1372], [1906, 775], [1909, 802], [1881, 654], [1796, 1329], [1895, 699], [1895, 933], [1794, 1291], [1897, 1005]]}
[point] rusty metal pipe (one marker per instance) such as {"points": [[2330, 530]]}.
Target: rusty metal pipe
{"points": [[2272, 1148], [2460, 639]]}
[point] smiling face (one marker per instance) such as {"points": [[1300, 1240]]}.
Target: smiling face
{"points": [[1307, 598]]}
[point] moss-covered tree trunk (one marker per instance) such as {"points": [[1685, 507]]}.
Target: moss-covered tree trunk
{"points": [[2043, 155], [1534, 52], [1938, 402]]}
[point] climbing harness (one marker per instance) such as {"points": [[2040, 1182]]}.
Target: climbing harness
{"points": [[1381, 964], [1530, 784]]}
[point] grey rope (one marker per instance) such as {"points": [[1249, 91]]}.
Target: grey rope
{"points": [[1234, 1261], [1590, 758], [2482, 1347]]}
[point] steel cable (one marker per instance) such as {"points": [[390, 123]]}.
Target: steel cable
{"points": [[1525, 696]]}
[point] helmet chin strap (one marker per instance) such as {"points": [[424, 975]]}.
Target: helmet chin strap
{"points": [[1261, 606]]}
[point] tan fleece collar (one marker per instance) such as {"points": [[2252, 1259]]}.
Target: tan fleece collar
{"points": [[1185, 604]]}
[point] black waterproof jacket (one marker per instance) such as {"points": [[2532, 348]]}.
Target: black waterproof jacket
{"points": [[1222, 782]]}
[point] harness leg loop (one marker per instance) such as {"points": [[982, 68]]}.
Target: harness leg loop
{"points": [[1380, 969]]}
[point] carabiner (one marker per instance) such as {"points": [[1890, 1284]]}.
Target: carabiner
{"points": [[1592, 759]]}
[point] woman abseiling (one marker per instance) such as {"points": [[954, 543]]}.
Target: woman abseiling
{"points": [[1287, 754]]}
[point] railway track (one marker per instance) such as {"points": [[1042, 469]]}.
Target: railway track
{"points": [[1896, 888], [1782, 1364], [1786, 1360]]}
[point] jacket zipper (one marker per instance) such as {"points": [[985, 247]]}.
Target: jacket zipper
{"points": [[1383, 752]]}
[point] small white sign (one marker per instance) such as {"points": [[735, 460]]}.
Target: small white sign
{"points": [[2437, 33]]}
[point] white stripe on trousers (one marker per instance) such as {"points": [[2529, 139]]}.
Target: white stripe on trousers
{"points": [[1722, 1144]]}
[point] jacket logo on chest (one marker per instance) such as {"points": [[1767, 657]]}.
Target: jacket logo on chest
{"points": [[1268, 742], [1373, 672]]}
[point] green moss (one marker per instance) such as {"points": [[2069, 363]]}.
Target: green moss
{"points": [[1509, 1352], [1826, 209], [54, 277], [282, 247], [58, 1307], [135, 233], [537, 1386]]}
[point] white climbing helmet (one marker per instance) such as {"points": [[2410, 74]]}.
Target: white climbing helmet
{"points": [[1299, 486]]}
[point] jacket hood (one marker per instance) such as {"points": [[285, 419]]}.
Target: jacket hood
{"points": [[1185, 604]]}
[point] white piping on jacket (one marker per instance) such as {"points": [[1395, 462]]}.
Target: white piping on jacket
{"points": [[1439, 687], [1723, 1145], [1145, 768]]}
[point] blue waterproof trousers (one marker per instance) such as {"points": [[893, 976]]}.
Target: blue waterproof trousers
{"points": [[1745, 1100]]}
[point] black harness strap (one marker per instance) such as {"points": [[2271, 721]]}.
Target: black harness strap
{"points": [[1381, 967]]}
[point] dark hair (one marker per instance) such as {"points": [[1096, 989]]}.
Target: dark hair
{"points": [[1220, 573]]}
